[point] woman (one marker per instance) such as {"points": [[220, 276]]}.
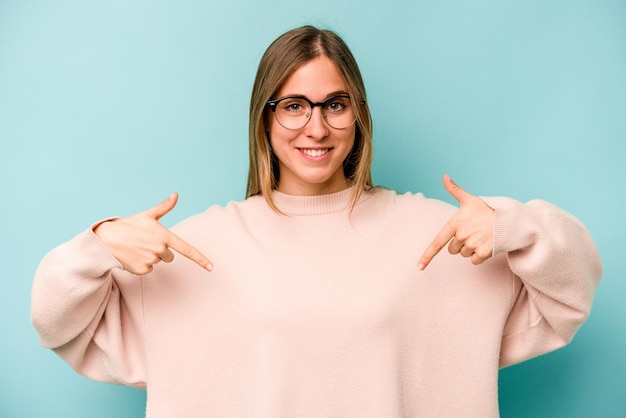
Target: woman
{"points": [[314, 302]]}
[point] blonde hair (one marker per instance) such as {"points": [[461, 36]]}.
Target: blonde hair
{"points": [[288, 52]]}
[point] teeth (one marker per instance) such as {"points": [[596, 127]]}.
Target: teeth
{"points": [[314, 152]]}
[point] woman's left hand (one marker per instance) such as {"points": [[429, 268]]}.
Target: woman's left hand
{"points": [[470, 229]]}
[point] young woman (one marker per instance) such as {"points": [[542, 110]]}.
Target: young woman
{"points": [[309, 298]]}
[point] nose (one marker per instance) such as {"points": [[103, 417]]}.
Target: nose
{"points": [[317, 127]]}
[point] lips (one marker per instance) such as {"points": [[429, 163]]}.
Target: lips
{"points": [[314, 153]]}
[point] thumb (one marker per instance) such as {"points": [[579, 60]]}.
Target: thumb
{"points": [[158, 211], [457, 192]]}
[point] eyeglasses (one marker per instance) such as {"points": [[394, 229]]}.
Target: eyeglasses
{"points": [[294, 112]]}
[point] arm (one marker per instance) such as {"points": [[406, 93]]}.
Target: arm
{"points": [[89, 311], [554, 261], [558, 270]]}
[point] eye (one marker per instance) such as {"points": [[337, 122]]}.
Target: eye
{"points": [[337, 105], [293, 106]]}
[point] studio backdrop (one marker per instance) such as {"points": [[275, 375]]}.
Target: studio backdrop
{"points": [[106, 107]]}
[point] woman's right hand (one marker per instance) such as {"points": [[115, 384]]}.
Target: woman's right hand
{"points": [[140, 241]]}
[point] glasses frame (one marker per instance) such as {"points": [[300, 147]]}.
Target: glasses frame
{"points": [[273, 104]]}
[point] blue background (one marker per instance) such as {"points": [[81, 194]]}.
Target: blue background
{"points": [[107, 107]]}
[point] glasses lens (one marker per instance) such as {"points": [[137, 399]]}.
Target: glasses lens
{"points": [[295, 113], [338, 112]]}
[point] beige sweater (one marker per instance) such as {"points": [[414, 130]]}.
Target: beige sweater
{"points": [[321, 313]]}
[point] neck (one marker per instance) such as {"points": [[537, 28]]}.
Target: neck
{"points": [[312, 189]]}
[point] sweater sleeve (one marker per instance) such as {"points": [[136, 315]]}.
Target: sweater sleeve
{"points": [[89, 311], [557, 270]]}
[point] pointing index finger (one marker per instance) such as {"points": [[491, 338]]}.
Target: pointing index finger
{"points": [[440, 241], [189, 251]]}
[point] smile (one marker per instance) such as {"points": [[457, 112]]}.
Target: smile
{"points": [[314, 152]]}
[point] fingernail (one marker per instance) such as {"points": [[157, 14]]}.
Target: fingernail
{"points": [[209, 266], [421, 266]]}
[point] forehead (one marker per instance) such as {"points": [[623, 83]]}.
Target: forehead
{"points": [[315, 79]]}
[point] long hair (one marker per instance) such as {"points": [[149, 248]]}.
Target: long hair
{"points": [[284, 56]]}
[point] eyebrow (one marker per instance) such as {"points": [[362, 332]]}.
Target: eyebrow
{"points": [[336, 93], [331, 94]]}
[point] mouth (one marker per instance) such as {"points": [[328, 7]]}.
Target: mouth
{"points": [[314, 152]]}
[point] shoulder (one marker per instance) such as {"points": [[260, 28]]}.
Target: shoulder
{"points": [[403, 214], [223, 215], [409, 202]]}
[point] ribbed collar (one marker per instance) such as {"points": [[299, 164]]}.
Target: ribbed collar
{"points": [[316, 205]]}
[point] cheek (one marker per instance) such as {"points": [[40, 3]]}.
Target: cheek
{"points": [[272, 127], [275, 132], [279, 136], [279, 133], [349, 138]]}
